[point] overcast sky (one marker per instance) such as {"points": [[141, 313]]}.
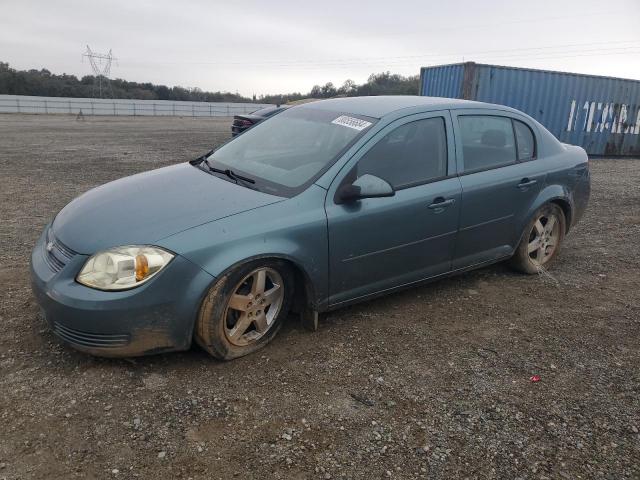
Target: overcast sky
{"points": [[279, 46]]}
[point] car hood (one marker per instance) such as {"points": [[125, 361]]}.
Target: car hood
{"points": [[143, 208]]}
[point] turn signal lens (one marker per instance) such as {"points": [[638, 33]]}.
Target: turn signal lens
{"points": [[142, 268], [122, 268]]}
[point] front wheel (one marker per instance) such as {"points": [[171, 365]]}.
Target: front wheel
{"points": [[244, 309], [541, 240]]}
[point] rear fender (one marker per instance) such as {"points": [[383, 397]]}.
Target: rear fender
{"points": [[549, 194]]}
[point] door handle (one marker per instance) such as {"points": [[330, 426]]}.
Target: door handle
{"points": [[525, 182], [440, 202]]}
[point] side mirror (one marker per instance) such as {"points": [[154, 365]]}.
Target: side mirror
{"points": [[367, 186]]}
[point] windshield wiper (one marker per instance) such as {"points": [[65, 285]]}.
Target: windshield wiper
{"points": [[228, 172], [231, 174]]}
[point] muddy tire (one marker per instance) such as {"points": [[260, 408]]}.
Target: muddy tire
{"points": [[245, 309], [541, 240]]}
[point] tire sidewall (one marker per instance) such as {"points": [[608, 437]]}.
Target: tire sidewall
{"points": [[210, 331]]}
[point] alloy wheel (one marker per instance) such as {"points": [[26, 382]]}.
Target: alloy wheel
{"points": [[543, 239], [253, 306]]}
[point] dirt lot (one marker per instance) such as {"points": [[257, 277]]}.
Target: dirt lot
{"points": [[433, 382]]}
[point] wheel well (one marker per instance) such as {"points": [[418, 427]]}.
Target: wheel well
{"points": [[566, 209], [303, 295], [303, 289]]}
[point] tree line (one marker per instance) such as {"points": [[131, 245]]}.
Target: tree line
{"points": [[384, 83], [44, 83]]}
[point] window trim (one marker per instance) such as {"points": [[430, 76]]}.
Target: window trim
{"points": [[405, 186], [418, 184], [534, 156]]}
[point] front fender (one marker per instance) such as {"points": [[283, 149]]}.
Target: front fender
{"points": [[304, 279], [293, 230]]}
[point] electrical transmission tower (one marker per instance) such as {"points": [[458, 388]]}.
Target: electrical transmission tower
{"points": [[101, 65]]}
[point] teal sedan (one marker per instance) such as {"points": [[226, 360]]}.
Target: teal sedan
{"points": [[323, 205]]}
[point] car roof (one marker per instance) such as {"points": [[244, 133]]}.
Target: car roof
{"points": [[382, 105]]}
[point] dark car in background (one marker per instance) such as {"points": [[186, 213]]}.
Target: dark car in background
{"points": [[242, 122]]}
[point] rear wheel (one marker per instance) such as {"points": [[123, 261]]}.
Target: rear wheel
{"points": [[244, 309], [541, 240]]}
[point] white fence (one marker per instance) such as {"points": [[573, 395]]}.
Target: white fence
{"points": [[102, 106]]}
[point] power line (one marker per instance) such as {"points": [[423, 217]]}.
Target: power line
{"points": [[562, 51], [631, 50], [399, 61], [502, 23], [454, 60], [488, 60], [510, 50]]}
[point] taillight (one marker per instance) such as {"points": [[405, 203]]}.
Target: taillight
{"points": [[246, 123]]}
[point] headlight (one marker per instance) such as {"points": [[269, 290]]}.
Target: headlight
{"points": [[121, 268]]}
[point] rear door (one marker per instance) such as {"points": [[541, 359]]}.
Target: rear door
{"points": [[500, 180], [380, 243]]}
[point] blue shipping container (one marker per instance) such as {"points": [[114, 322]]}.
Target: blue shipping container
{"points": [[601, 114]]}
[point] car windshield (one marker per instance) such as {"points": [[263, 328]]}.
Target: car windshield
{"points": [[287, 152]]}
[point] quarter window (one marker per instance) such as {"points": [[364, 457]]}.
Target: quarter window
{"points": [[524, 138], [411, 154], [487, 142]]}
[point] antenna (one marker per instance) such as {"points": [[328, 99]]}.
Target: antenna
{"points": [[101, 66]]}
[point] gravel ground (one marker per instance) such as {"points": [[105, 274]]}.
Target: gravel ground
{"points": [[433, 382]]}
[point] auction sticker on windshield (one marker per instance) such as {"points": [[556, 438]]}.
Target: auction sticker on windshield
{"points": [[351, 122]]}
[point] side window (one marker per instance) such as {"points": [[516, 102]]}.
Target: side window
{"points": [[487, 142], [411, 154], [525, 140]]}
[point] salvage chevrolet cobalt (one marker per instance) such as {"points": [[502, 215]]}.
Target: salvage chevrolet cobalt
{"points": [[323, 205]]}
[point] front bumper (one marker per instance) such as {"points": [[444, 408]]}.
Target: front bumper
{"points": [[157, 316]]}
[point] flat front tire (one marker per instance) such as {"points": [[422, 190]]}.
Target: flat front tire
{"points": [[245, 308], [541, 240]]}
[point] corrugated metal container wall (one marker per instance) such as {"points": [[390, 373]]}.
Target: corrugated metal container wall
{"points": [[601, 114]]}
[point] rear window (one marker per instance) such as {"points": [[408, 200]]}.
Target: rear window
{"points": [[487, 142]]}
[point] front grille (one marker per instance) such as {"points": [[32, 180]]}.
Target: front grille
{"points": [[85, 339], [56, 254]]}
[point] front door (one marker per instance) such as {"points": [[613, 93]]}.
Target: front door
{"points": [[377, 244]]}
